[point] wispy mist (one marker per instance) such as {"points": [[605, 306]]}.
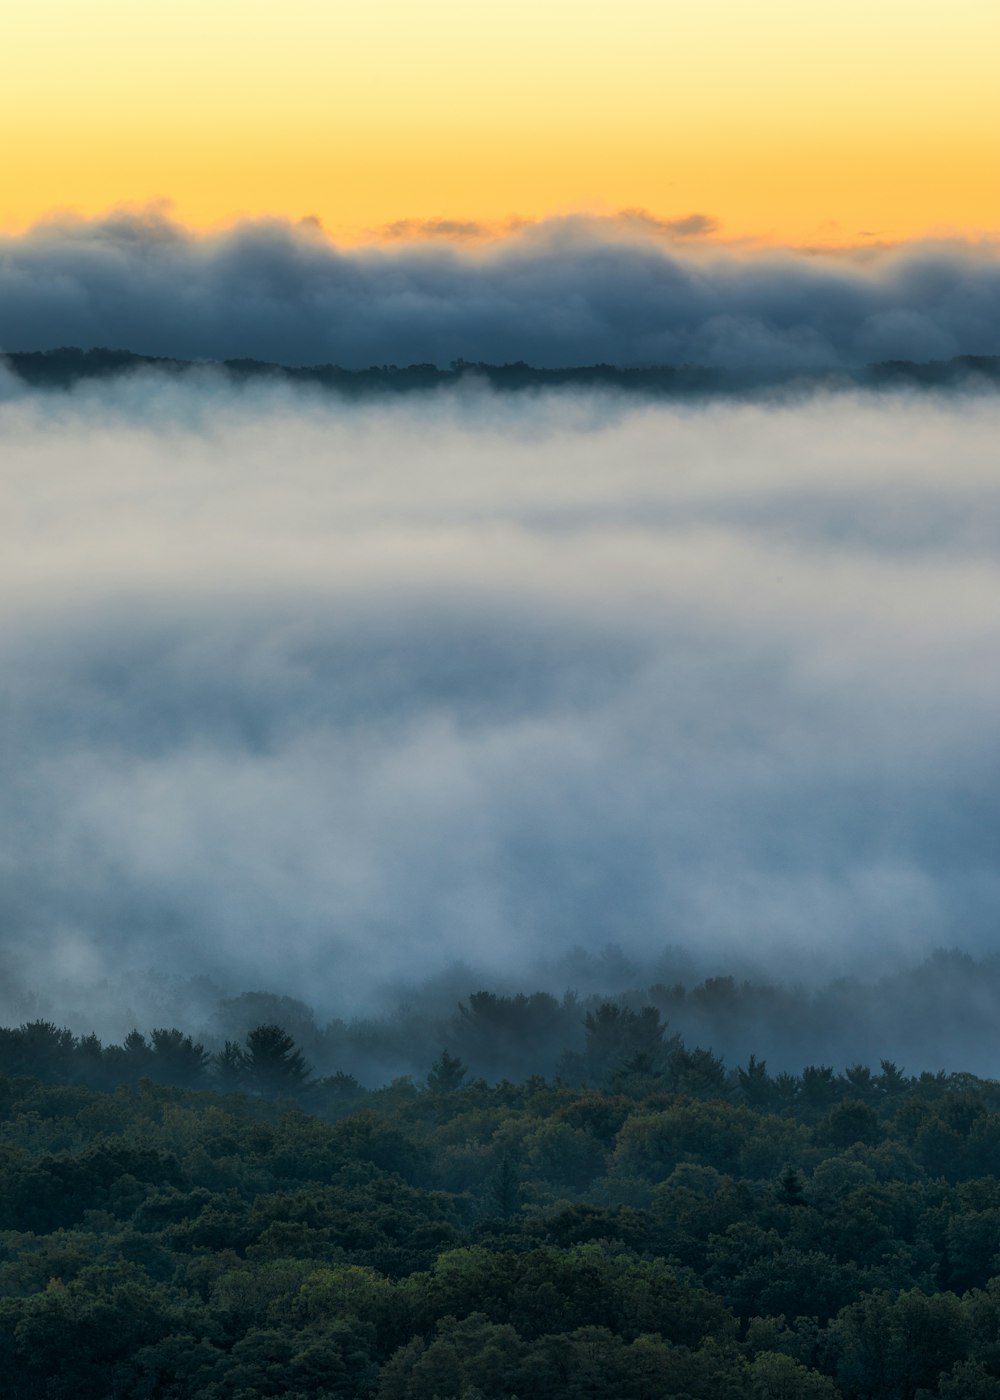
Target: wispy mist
{"points": [[630, 290], [321, 699]]}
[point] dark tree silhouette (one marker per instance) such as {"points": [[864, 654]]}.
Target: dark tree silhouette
{"points": [[131, 1061], [614, 1034], [38, 1047], [230, 1067], [446, 1074], [272, 1063], [755, 1083], [177, 1058]]}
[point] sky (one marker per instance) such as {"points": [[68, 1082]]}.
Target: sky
{"points": [[774, 123]]}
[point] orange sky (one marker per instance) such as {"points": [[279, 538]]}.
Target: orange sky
{"points": [[785, 122]]}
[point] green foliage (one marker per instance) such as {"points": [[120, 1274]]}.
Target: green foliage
{"points": [[680, 1234], [894, 1346], [774, 1376], [505, 1189]]}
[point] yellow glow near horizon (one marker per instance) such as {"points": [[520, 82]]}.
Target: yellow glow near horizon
{"points": [[784, 121]]}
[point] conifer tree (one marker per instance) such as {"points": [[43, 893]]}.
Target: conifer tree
{"points": [[273, 1064]]}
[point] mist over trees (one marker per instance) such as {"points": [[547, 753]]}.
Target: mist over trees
{"points": [[393, 719], [687, 1034], [647, 1224], [68, 366]]}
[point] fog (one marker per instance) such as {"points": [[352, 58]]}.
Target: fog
{"points": [[566, 291], [332, 700]]}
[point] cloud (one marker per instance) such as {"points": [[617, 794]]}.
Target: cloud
{"points": [[436, 228], [575, 290], [629, 221], [690, 226], [312, 697]]}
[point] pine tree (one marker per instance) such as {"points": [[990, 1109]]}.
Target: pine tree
{"points": [[177, 1058], [273, 1065], [446, 1074], [230, 1067]]}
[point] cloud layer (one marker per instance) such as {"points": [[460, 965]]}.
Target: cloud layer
{"points": [[315, 697], [629, 290]]}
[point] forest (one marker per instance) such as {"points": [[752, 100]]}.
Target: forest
{"points": [[66, 366], [642, 1221]]}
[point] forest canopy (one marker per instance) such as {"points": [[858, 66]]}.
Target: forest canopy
{"points": [[235, 1223], [65, 366]]}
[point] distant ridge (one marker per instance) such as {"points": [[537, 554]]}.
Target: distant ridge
{"points": [[65, 366]]}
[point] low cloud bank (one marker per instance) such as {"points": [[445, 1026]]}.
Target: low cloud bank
{"points": [[322, 699], [633, 290]]}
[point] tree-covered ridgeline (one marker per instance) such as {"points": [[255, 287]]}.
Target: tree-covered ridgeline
{"points": [[232, 1224], [62, 367], [940, 1012], [622, 1050]]}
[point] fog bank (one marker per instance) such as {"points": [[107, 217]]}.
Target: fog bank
{"points": [[565, 291], [322, 700]]}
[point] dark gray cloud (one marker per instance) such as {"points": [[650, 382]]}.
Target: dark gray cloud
{"points": [[312, 697], [567, 291]]}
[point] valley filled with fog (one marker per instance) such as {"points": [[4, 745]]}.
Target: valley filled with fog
{"points": [[341, 701]]}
